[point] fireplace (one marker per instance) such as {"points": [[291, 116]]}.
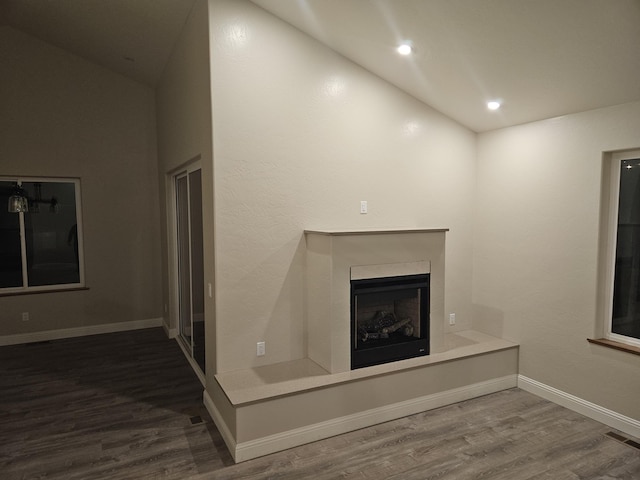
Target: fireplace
{"points": [[336, 258], [389, 319]]}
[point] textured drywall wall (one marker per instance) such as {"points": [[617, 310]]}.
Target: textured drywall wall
{"points": [[63, 116], [536, 250], [301, 135], [184, 133]]}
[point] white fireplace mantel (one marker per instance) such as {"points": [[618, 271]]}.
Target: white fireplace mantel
{"points": [[388, 231], [330, 256]]}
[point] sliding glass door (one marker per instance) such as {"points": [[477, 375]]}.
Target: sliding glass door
{"points": [[190, 262]]}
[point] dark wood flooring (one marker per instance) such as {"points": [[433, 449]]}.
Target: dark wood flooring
{"points": [[128, 406], [114, 406]]}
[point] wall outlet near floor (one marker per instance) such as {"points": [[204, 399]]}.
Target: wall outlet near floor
{"points": [[452, 319], [25, 316], [260, 349], [363, 206]]}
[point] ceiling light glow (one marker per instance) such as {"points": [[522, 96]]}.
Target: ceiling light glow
{"points": [[411, 128], [334, 86], [237, 34], [405, 49], [493, 105]]}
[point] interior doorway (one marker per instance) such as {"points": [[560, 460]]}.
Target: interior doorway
{"points": [[190, 262]]}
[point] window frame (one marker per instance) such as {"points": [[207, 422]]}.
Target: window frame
{"points": [[612, 240], [25, 288]]}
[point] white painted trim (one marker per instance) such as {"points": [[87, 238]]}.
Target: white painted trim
{"points": [[171, 332], [25, 288], [225, 433], [615, 166], [364, 272], [311, 433], [613, 419], [184, 169], [47, 335]]}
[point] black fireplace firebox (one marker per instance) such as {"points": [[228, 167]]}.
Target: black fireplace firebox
{"points": [[389, 319]]}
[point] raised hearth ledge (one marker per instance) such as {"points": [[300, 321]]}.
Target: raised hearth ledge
{"points": [[377, 231], [256, 384]]}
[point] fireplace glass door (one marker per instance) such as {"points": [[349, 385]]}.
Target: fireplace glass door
{"points": [[389, 319]]}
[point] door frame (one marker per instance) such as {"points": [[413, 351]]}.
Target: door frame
{"points": [[173, 270]]}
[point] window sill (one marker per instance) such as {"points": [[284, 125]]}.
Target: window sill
{"points": [[49, 290], [604, 342]]}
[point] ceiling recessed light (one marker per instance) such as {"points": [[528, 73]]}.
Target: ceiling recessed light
{"points": [[493, 105], [405, 49]]}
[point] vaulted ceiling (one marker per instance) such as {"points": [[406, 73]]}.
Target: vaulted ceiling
{"points": [[131, 37], [540, 58]]}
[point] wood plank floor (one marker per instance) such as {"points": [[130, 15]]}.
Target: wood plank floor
{"points": [[115, 406], [126, 406]]}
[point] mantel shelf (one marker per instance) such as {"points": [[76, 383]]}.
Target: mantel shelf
{"points": [[376, 231]]}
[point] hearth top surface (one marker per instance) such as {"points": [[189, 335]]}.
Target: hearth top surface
{"points": [[270, 381]]}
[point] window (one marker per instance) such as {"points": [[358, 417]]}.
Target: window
{"points": [[40, 234], [624, 245]]}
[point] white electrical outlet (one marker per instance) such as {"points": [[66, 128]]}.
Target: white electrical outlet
{"points": [[363, 206], [452, 319], [25, 316], [260, 349]]}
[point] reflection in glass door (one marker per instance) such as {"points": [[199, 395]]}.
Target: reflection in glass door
{"points": [[188, 188]]}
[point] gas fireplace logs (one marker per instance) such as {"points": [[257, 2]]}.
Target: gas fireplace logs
{"points": [[382, 324]]}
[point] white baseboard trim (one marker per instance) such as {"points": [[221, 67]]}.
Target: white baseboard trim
{"points": [[171, 332], [225, 433], [311, 433], [613, 419], [79, 331]]}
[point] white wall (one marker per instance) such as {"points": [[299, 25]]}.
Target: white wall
{"points": [[63, 116], [536, 250], [183, 102], [301, 135]]}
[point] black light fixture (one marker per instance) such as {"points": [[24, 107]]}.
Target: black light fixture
{"points": [[18, 201]]}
